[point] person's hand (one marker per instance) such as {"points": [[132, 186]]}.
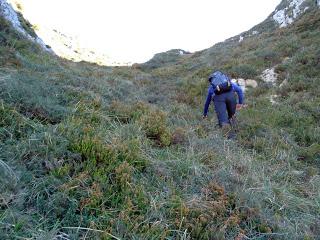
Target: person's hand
{"points": [[240, 106]]}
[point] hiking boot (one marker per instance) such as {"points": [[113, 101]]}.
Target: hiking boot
{"points": [[234, 124], [232, 135], [226, 129], [234, 128]]}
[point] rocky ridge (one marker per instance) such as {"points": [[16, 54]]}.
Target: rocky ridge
{"points": [[7, 11]]}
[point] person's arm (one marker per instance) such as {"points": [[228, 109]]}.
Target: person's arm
{"points": [[239, 91], [208, 101]]}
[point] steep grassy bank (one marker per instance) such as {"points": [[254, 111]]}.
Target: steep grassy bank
{"points": [[121, 153]]}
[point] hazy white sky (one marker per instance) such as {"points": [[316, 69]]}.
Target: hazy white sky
{"points": [[134, 30]]}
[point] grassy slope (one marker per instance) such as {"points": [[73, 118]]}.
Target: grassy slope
{"points": [[96, 152]]}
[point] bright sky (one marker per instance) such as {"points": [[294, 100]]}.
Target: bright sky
{"points": [[134, 30]]}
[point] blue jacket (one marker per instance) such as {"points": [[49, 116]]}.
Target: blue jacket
{"points": [[235, 87]]}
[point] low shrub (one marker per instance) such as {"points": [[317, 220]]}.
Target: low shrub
{"points": [[310, 154], [154, 123], [288, 48], [179, 136], [193, 92], [125, 112], [214, 215], [244, 71], [13, 125]]}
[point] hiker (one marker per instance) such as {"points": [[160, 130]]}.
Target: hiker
{"points": [[222, 92]]}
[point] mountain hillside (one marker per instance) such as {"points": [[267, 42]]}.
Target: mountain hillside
{"points": [[69, 47], [65, 45], [101, 152], [20, 24]]}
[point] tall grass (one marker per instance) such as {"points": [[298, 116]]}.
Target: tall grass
{"points": [[90, 152]]}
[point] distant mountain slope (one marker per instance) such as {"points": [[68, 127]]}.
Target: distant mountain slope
{"points": [[165, 59], [285, 14], [62, 44], [69, 47], [291, 11]]}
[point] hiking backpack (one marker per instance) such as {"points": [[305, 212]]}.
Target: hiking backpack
{"points": [[221, 82]]}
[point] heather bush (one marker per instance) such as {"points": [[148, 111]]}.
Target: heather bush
{"points": [[179, 136], [128, 111], [288, 48], [154, 124], [244, 71]]}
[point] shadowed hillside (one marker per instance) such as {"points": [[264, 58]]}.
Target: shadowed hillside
{"points": [[92, 152]]}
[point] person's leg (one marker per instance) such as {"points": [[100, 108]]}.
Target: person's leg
{"points": [[221, 109], [231, 104]]}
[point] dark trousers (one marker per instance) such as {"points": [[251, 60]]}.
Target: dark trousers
{"points": [[225, 107]]}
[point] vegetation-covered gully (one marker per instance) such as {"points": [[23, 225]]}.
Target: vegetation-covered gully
{"points": [[96, 152]]}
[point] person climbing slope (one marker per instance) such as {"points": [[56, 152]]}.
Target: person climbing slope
{"points": [[222, 92]]}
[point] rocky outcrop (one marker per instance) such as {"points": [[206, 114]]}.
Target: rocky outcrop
{"points": [[245, 83], [11, 16], [269, 76], [288, 13]]}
